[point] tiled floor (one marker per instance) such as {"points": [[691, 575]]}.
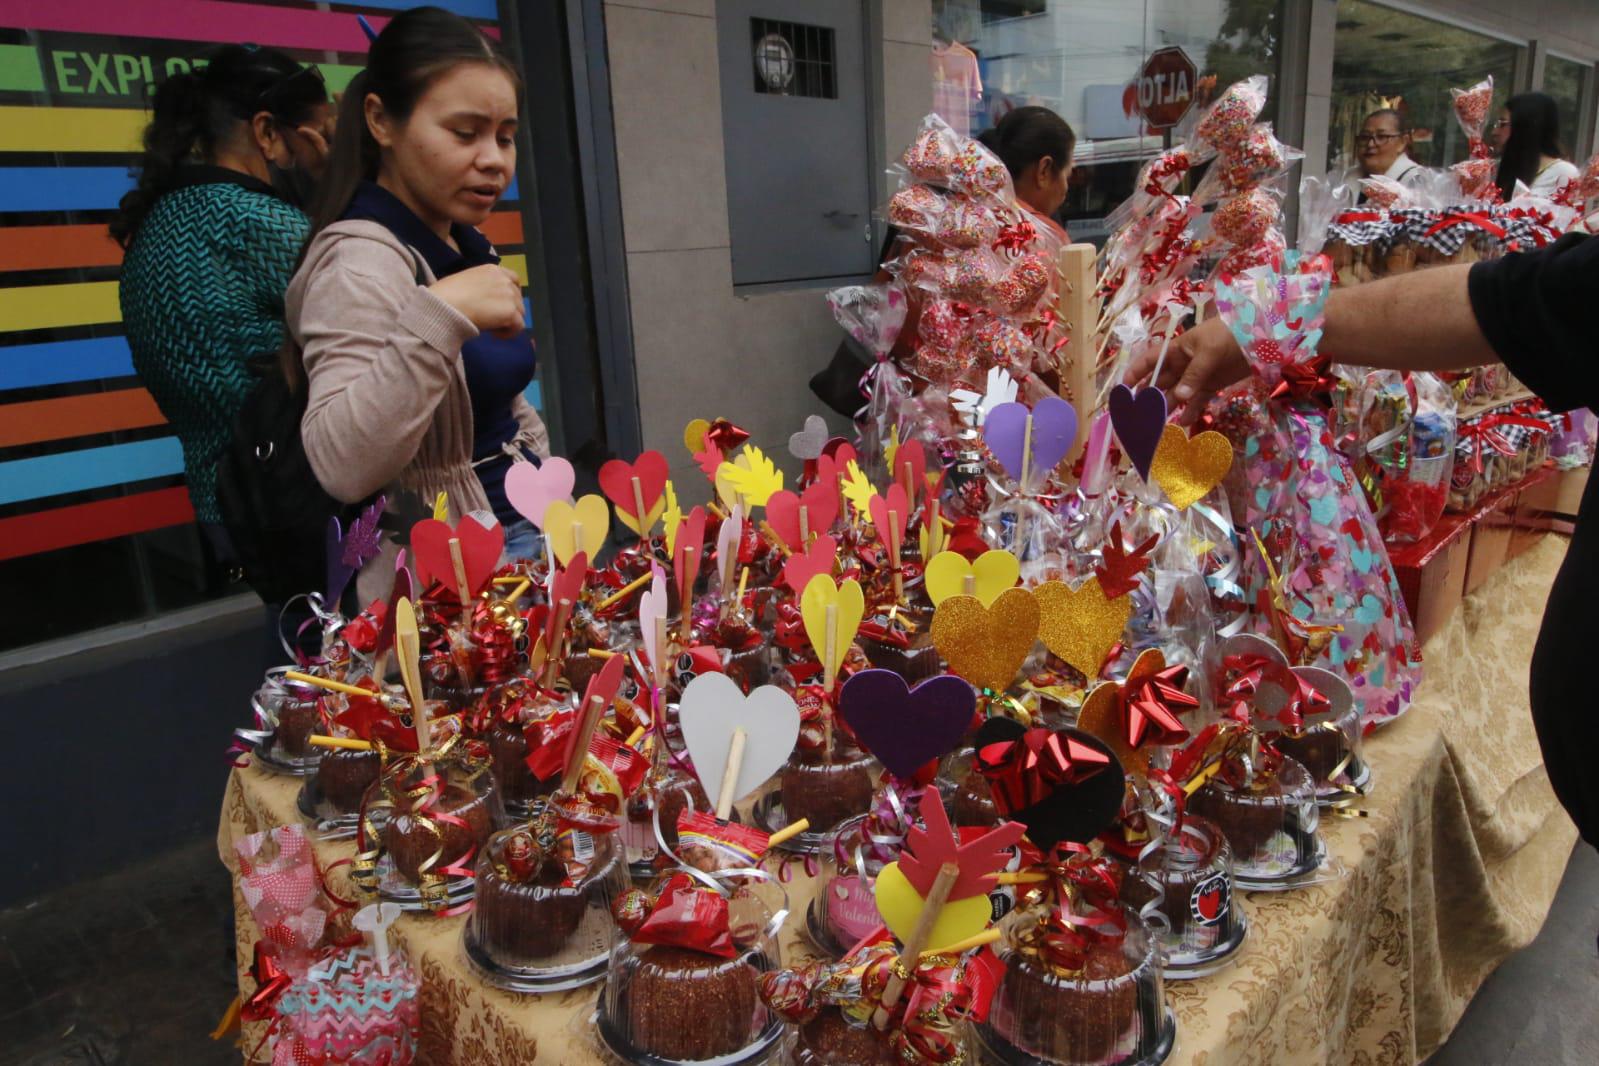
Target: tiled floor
{"points": [[132, 969], [129, 969]]}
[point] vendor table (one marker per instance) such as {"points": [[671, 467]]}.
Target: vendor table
{"points": [[1454, 869]]}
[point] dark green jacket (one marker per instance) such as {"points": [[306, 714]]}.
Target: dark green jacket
{"points": [[202, 293]]}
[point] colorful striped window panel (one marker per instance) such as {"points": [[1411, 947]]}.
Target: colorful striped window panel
{"points": [[95, 522]]}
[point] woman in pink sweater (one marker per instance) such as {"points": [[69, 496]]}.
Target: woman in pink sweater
{"points": [[412, 334]]}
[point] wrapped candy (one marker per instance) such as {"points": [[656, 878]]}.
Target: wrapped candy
{"points": [[328, 998], [1248, 163], [1319, 575], [1471, 108], [1244, 219]]}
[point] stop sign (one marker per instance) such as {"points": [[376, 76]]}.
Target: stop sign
{"points": [[1166, 87]]}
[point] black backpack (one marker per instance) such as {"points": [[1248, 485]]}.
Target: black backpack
{"points": [[275, 510]]}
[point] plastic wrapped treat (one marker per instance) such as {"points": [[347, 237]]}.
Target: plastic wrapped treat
{"points": [[1228, 122], [287, 713], [422, 824], [1269, 815], [330, 800], [826, 790], [1076, 994], [845, 908], [357, 1007], [542, 920], [1187, 879], [831, 1006], [682, 985]]}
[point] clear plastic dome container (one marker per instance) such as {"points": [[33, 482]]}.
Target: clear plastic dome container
{"points": [[971, 800], [292, 712], [663, 1005], [451, 822], [831, 1038], [1332, 752], [844, 908], [330, 799], [666, 793], [1112, 1012], [1193, 872], [827, 793], [542, 919], [1271, 827], [508, 752]]}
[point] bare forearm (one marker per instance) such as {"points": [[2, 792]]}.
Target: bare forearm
{"points": [[1418, 321]]}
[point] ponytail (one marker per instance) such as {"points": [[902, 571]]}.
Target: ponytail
{"points": [[195, 113]]}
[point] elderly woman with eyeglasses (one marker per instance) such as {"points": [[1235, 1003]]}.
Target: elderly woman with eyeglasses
{"points": [[1381, 147]]}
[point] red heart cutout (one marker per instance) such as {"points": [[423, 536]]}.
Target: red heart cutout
{"points": [[890, 512], [1209, 904], [686, 564], [802, 566], [820, 501], [616, 481], [910, 468], [481, 547], [840, 451]]}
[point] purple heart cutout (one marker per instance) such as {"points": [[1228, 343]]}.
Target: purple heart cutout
{"points": [[1139, 420], [906, 728], [1054, 430]]}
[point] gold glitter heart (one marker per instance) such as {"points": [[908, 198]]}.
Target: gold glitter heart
{"points": [[1082, 626], [987, 645], [1188, 467], [1101, 713]]}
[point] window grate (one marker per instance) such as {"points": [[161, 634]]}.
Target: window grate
{"points": [[793, 59]]}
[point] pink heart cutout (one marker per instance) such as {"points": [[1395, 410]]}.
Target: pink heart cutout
{"points": [[531, 489]]}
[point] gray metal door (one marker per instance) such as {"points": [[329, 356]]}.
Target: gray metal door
{"points": [[795, 119]]}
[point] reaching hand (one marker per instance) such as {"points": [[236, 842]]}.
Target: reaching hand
{"points": [[1200, 363]]}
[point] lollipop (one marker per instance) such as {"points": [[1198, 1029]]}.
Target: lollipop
{"points": [[1477, 178], [1229, 119], [967, 225], [1254, 159], [1245, 219], [973, 275], [977, 170], [997, 342], [943, 326], [931, 157]]}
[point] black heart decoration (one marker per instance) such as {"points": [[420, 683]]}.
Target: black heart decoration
{"points": [[1077, 813]]}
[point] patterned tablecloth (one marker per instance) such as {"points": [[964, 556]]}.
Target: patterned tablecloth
{"points": [[1453, 870]]}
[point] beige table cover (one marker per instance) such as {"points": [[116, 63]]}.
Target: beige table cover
{"points": [[1453, 870]]}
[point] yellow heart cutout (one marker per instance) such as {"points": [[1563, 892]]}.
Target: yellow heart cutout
{"points": [[987, 645], [820, 594], [1082, 626], [1101, 713], [901, 905], [1188, 467], [992, 573], [694, 435], [574, 528]]}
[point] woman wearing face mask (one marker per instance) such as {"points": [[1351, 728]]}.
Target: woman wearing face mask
{"points": [[211, 242], [410, 333]]}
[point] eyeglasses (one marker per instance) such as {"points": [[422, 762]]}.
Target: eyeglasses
{"points": [[1376, 138]]}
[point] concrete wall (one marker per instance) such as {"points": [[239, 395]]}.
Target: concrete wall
{"points": [[702, 350]]}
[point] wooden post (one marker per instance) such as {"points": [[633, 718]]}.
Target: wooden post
{"points": [[910, 953], [1078, 308], [735, 762]]}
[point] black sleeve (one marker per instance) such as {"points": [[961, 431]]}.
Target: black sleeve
{"points": [[1540, 312]]}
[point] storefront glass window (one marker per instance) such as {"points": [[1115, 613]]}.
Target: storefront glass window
{"points": [[1388, 58], [96, 527], [1081, 58], [1565, 80]]}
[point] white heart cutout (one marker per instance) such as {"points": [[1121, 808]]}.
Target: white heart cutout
{"points": [[712, 707]]}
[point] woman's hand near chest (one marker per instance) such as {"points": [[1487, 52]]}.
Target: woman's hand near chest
{"points": [[489, 295]]}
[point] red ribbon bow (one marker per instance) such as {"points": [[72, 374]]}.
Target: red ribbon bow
{"points": [[1481, 430], [1016, 238], [1026, 770], [1472, 218], [271, 981], [1150, 708], [1307, 382], [725, 435]]}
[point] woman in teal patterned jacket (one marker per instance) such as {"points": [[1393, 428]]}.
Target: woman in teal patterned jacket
{"points": [[212, 238]]}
